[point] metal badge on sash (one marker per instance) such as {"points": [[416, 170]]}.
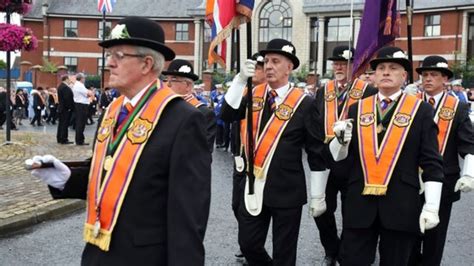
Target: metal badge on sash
{"points": [[401, 120], [105, 129], [367, 119], [108, 162], [239, 163], [356, 94], [257, 104], [330, 96], [446, 113], [284, 112], [139, 131]]}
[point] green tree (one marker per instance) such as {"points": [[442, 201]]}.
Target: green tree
{"points": [[93, 81], [301, 74], [465, 71], [49, 66], [3, 65]]}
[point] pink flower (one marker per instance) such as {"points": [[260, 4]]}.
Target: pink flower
{"points": [[21, 8], [15, 38]]}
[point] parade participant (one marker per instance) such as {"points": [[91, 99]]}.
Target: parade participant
{"points": [[282, 126], [394, 135], [180, 78], [53, 106], [38, 105], [455, 138], [333, 101], [458, 91], [20, 105], [65, 108], [81, 107], [149, 180]]}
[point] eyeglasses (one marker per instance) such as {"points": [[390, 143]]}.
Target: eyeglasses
{"points": [[119, 55], [175, 80]]}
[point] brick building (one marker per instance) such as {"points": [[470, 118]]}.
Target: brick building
{"points": [[69, 31]]}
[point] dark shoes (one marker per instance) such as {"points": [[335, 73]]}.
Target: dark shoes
{"points": [[82, 144], [66, 142], [328, 261]]}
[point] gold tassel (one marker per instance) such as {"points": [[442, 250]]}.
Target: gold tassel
{"points": [[328, 139], [374, 190], [102, 240], [258, 172], [388, 26]]}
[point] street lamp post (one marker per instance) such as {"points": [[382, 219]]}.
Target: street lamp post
{"points": [[44, 11]]}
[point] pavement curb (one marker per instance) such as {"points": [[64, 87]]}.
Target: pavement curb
{"points": [[14, 224]]}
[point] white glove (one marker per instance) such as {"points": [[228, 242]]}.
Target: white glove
{"points": [[318, 182], [38, 107], [466, 182], [343, 131], [56, 176], [247, 70], [429, 218], [411, 89]]}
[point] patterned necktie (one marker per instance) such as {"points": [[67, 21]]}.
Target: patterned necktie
{"points": [[124, 111], [432, 101], [272, 94], [385, 103], [342, 93]]}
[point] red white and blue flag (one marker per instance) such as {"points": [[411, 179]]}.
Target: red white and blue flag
{"points": [[105, 6], [223, 16]]}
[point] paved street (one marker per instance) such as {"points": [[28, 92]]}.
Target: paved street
{"points": [[59, 242]]}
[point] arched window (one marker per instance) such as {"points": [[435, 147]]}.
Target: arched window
{"points": [[275, 22]]}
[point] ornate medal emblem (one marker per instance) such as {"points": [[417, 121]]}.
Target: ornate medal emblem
{"points": [[356, 94], [257, 104], [367, 119], [402, 120], [108, 163], [330, 96], [284, 112], [105, 129], [139, 131], [446, 113]]}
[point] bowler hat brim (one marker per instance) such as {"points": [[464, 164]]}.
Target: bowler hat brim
{"points": [[443, 70], [401, 61], [192, 76], [159, 47]]}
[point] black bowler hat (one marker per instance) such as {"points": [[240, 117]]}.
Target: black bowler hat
{"points": [[283, 47], [342, 53], [181, 68], [437, 63], [141, 32], [259, 58], [391, 54]]}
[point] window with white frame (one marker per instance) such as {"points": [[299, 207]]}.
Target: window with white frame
{"points": [[70, 28], [432, 25], [71, 64], [108, 28], [182, 31]]}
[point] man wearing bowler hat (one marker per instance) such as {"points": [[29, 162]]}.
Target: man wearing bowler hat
{"points": [[455, 138], [333, 103], [393, 136], [180, 78], [148, 183], [283, 126]]}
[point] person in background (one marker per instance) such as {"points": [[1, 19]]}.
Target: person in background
{"points": [[53, 103], [39, 103], [81, 107], [20, 105]]}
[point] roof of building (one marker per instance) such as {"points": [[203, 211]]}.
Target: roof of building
{"points": [[122, 8], [322, 6]]}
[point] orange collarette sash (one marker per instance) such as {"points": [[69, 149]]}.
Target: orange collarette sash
{"points": [[267, 142], [193, 100], [444, 118], [331, 114], [110, 176], [377, 162]]}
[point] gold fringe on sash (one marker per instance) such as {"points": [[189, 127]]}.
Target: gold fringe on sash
{"points": [[328, 139], [258, 172], [102, 240], [374, 190]]}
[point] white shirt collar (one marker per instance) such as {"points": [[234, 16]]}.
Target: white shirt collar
{"points": [[282, 91], [392, 97], [436, 97], [137, 97]]}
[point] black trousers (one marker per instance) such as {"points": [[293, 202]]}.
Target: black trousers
{"points": [[253, 233], [434, 239], [63, 124], [81, 111], [359, 245], [326, 223], [37, 117], [220, 135], [53, 114]]}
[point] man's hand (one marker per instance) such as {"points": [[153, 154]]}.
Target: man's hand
{"points": [[429, 218], [343, 131], [247, 70], [56, 176]]}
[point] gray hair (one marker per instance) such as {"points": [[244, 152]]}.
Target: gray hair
{"points": [[158, 58], [79, 76]]}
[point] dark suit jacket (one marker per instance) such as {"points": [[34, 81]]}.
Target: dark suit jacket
{"points": [[65, 98], [3, 103], [211, 126], [164, 215], [338, 169], [460, 142], [285, 186], [400, 208], [37, 101]]}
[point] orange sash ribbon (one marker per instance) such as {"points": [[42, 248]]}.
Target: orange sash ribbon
{"points": [[104, 199], [190, 98], [377, 162], [444, 118], [331, 114], [266, 143]]}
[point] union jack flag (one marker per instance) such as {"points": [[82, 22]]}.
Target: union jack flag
{"points": [[105, 5]]}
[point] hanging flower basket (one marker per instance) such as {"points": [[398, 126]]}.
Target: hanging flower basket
{"points": [[16, 38], [15, 6]]}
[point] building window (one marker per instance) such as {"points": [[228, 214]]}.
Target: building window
{"points": [[182, 32], [207, 33], [70, 28], [275, 21], [71, 64], [313, 52], [338, 29], [108, 28], [432, 25]]}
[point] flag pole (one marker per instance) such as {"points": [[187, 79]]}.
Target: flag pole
{"points": [[409, 8], [250, 143], [102, 71], [349, 73], [8, 92]]}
